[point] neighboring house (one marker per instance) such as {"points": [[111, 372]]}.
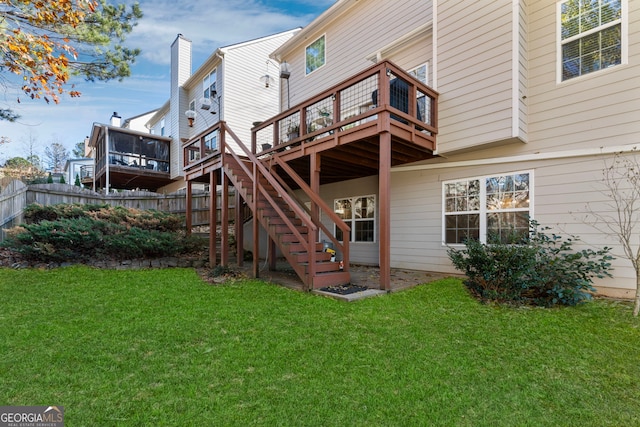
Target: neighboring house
{"points": [[146, 151], [532, 97], [81, 168], [226, 87]]}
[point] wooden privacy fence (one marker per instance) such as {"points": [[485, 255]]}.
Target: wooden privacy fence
{"points": [[16, 196]]}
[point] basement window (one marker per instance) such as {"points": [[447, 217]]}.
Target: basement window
{"points": [[359, 213], [495, 206]]}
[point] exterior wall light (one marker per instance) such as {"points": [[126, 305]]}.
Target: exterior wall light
{"points": [[191, 115]]}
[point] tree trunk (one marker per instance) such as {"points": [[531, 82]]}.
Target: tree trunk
{"points": [[636, 307]]}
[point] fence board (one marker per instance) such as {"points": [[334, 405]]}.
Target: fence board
{"points": [[16, 196]]}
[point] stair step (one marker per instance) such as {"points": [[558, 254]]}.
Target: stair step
{"points": [[283, 228], [299, 247], [303, 257], [331, 279], [275, 220], [324, 267], [290, 238]]}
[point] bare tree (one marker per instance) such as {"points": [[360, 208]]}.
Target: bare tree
{"points": [[56, 155], [621, 181], [30, 146]]}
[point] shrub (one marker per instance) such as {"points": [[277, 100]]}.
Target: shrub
{"points": [[540, 269], [74, 232]]}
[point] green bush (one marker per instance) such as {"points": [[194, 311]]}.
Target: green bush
{"points": [[74, 232], [540, 269]]}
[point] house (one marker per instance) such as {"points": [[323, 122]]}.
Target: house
{"points": [[81, 168], [145, 151], [443, 121]]}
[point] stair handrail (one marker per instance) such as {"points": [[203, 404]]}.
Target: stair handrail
{"points": [[315, 198], [310, 242]]}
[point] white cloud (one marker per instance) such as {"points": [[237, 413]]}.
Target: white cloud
{"points": [[208, 24], [213, 24]]}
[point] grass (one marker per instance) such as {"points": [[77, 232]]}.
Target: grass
{"points": [[161, 347]]}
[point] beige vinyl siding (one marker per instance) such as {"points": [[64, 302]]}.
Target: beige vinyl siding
{"points": [[522, 71], [359, 252], [351, 38], [415, 54], [475, 73], [246, 100], [597, 109], [562, 188]]}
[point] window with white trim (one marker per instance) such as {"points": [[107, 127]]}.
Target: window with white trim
{"points": [[315, 55], [421, 73], [591, 36], [162, 126], [211, 142], [359, 213], [485, 208], [209, 84]]}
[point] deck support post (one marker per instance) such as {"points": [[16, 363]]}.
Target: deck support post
{"points": [[271, 256], [315, 161], [188, 209], [239, 228], [384, 189], [213, 218], [224, 208], [256, 223]]}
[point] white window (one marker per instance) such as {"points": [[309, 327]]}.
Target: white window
{"points": [[315, 55], [359, 213], [209, 84], [192, 105], [162, 125], [211, 142], [421, 73], [487, 207], [591, 36]]}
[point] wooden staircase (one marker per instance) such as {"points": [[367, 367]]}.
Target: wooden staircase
{"points": [[287, 221]]}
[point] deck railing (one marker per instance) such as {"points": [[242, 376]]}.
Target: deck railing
{"points": [[357, 100]]}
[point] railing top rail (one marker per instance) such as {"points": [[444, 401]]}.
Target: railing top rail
{"points": [[264, 172], [373, 70]]}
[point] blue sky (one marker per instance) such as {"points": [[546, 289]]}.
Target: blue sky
{"points": [[209, 24]]}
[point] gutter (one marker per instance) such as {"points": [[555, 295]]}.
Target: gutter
{"points": [[585, 152]]}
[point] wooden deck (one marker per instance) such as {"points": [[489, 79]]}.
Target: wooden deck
{"points": [[378, 119]]}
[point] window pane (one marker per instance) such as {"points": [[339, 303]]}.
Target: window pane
{"points": [[458, 228], [594, 51], [611, 10], [338, 233], [507, 227], [342, 208], [315, 55], [365, 207], [450, 205], [364, 231], [449, 190]]}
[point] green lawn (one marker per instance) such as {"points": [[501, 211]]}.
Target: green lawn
{"points": [[161, 347]]}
